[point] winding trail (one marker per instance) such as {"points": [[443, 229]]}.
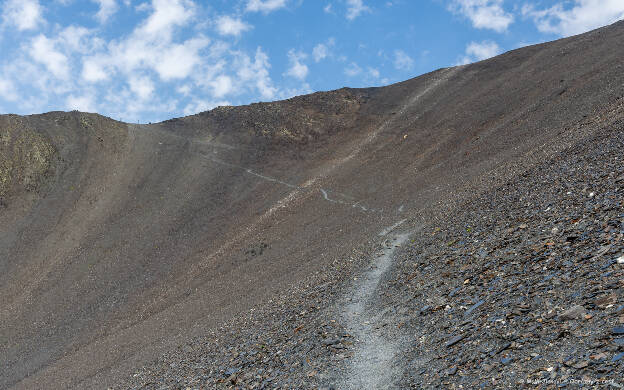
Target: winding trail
{"points": [[373, 364], [325, 193], [446, 74]]}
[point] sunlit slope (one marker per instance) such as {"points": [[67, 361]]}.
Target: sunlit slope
{"points": [[118, 240]]}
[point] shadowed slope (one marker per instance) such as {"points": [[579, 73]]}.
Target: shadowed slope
{"points": [[119, 240]]}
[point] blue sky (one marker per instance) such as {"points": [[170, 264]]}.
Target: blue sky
{"points": [[150, 60]]}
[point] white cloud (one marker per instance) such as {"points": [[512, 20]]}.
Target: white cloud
{"points": [[583, 16], [78, 39], [93, 70], [177, 61], [167, 15], [23, 14], [142, 86], [203, 105], [82, 103], [151, 46], [402, 61], [126, 105], [256, 72], [265, 6], [297, 91], [23, 75], [328, 9], [484, 14], [235, 73], [107, 9], [134, 66], [352, 70], [184, 89], [42, 50], [478, 51], [297, 68], [227, 25], [374, 73], [165, 51], [221, 86], [483, 50], [355, 8], [7, 90], [322, 50], [368, 75]]}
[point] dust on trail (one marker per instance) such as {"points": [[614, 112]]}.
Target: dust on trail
{"points": [[391, 228], [409, 104], [373, 364], [325, 193]]}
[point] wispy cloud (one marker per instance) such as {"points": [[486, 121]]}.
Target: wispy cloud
{"points": [[352, 70], [483, 14], [23, 14], [7, 90], [142, 86], [402, 61], [256, 73], [366, 75], [82, 103], [107, 9], [228, 25], [583, 15], [222, 85], [322, 50], [478, 51], [265, 6], [128, 76], [42, 50], [297, 68], [356, 8]]}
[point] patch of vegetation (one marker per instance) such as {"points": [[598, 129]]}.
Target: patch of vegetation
{"points": [[25, 157]]}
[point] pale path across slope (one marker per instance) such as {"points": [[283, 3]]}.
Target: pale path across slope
{"points": [[373, 365]]}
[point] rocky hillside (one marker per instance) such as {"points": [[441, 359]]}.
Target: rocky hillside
{"points": [[459, 228], [519, 286], [524, 284]]}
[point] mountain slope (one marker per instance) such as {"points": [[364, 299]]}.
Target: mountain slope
{"points": [[120, 241]]}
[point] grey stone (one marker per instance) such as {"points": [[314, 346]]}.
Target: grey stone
{"points": [[455, 340], [576, 312]]}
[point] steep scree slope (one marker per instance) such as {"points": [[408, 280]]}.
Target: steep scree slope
{"points": [[120, 241]]}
